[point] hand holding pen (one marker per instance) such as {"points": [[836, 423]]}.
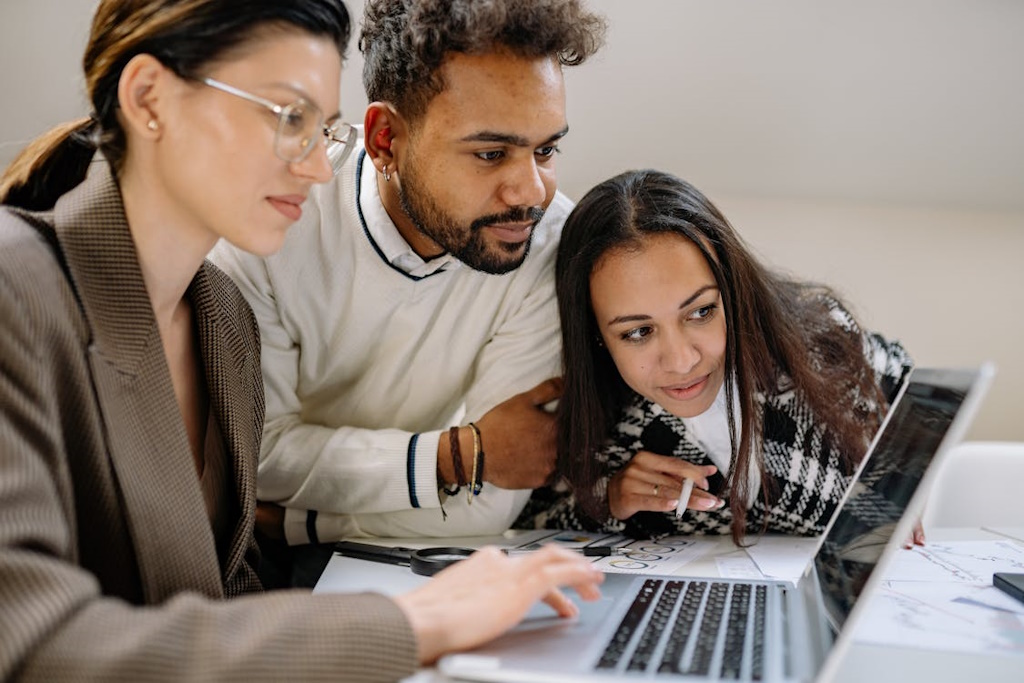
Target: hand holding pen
{"points": [[652, 482], [684, 496]]}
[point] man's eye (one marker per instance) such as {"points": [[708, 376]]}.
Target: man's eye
{"points": [[490, 156]]}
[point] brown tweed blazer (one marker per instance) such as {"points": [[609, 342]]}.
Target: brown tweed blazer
{"points": [[108, 566]]}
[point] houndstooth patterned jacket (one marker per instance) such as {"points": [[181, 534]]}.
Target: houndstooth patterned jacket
{"points": [[806, 474], [109, 569]]}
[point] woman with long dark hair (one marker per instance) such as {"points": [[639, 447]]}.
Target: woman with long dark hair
{"points": [[686, 358]]}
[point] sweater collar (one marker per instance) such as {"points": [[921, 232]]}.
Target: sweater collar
{"points": [[382, 230]]}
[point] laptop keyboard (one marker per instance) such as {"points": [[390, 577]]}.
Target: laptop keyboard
{"points": [[703, 628]]}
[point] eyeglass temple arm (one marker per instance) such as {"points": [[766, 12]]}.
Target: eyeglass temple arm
{"points": [[272, 106]]}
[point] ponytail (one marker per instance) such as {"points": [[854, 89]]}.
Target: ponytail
{"points": [[185, 36], [51, 165]]}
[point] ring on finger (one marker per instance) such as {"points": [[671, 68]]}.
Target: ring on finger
{"points": [[657, 487]]}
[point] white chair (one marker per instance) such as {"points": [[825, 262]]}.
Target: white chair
{"points": [[980, 484]]}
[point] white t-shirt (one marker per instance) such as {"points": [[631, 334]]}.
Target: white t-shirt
{"points": [[710, 431]]}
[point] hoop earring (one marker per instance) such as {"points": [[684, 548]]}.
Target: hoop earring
{"points": [[387, 176]]}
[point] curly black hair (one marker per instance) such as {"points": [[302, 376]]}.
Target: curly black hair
{"points": [[405, 42]]}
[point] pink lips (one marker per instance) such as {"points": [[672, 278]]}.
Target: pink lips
{"points": [[683, 392], [288, 205], [512, 232]]}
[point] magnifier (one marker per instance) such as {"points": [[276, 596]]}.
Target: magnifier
{"points": [[425, 561]]}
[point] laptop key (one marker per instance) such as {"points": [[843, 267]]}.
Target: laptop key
{"points": [[700, 664], [683, 627], [760, 608], [735, 631], [616, 648], [655, 627], [690, 622]]}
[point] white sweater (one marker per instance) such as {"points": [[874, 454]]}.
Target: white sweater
{"points": [[370, 353]]}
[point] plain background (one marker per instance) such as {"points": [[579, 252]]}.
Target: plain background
{"points": [[874, 145]]}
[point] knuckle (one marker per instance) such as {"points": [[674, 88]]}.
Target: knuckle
{"points": [[491, 552]]}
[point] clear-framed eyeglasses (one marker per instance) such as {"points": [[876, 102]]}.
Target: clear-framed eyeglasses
{"points": [[299, 127]]}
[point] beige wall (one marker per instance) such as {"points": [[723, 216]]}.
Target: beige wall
{"points": [[41, 45], [874, 145], [947, 283]]}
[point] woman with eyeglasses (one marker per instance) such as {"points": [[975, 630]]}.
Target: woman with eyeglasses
{"points": [[131, 399]]}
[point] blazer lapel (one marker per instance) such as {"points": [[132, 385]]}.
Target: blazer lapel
{"points": [[228, 362], [149, 448]]}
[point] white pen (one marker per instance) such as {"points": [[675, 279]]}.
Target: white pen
{"points": [[684, 496]]}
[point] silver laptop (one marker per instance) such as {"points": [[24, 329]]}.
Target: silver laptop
{"points": [[686, 628]]}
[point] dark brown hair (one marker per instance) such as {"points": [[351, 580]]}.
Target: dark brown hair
{"points": [[186, 36], [777, 330], [405, 42]]}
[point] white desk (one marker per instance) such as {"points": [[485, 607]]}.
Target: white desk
{"points": [[864, 661]]}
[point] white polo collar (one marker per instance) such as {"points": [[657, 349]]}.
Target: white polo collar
{"points": [[384, 232]]}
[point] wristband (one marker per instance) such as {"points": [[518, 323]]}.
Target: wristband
{"points": [[476, 485]]}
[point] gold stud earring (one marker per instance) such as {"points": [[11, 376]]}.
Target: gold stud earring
{"points": [[153, 125], [387, 176]]}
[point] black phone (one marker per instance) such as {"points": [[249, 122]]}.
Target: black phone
{"points": [[1010, 583]]}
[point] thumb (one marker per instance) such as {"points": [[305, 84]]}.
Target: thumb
{"points": [[546, 391], [561, 603]]}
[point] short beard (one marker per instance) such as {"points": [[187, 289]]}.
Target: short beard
{"points": [[466, 244]]}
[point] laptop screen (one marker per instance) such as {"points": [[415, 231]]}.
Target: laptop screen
{"points": [[903, 451]]}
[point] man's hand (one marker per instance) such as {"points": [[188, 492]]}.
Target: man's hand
{"points": [[519, 439], [270, 520]]}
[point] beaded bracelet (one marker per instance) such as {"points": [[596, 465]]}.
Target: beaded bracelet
{"points": [[477, 482]]}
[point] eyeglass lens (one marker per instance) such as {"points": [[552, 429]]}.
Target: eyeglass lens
{"points": [[299, 131], [298, 126], [341, 140]]}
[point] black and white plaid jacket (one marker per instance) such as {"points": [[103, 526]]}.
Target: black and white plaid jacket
{"points": [[805, 473]]}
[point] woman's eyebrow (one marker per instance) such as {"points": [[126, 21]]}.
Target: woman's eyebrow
{"points": [[638, 317], [697, 294]]}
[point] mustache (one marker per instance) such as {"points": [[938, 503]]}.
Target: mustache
{"points": [[517, 214]]}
